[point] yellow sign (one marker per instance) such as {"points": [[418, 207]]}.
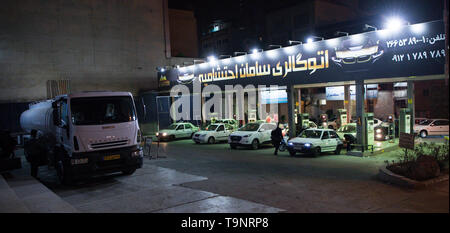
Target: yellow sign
{"points": [[111, 157], [409, 101]]}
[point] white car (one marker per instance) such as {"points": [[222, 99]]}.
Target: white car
{"points": [[333, 124], [315, 141], [176, 131], [432, 127], [252, 134], [213, 133]]}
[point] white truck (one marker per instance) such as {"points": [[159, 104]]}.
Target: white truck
{"points": [[88, 133]]}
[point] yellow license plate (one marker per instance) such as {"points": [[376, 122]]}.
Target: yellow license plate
{"points": [[111, 157]]}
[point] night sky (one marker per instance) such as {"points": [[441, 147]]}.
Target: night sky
{"points": [[413, 11]]}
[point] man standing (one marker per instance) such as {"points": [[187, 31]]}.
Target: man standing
{"points": [[34, 153], [277, 137]]}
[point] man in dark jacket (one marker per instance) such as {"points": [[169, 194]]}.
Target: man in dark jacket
{"points": [[277, 137], [34, 152]]}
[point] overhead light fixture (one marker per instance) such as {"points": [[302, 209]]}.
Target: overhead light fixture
{"points": [[295, 41], [212, 60], [367, 26], [311, 38], [418, 28], [339, 32], [275, 46], [395, 24]]}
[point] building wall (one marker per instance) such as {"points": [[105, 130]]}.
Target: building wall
{"points": [[97, 45], [327, 12], [183, 33]]}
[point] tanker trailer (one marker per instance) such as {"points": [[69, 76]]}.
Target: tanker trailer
{"points": [[88, 133]]}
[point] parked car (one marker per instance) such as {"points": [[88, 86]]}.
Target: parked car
{"points": [[432, 127], [213, 133], [348, 129], [176, 131], [315, 141], [231, 122], [252, 134], [417, 120]]}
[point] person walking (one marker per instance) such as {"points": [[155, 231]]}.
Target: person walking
{"points": [[277, 137]]}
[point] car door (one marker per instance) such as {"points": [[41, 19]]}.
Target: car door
{"points": [[220, 133], [268, 131], [180, 131], [440, 127], [326, 142], [334, 140], [187, 130]]}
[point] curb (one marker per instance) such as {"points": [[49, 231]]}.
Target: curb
{"points": [[386, 175]]}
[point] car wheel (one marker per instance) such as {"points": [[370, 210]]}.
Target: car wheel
{"points": [[211, 140], [292, 152], [192, 135], [233, 146], [255, 144], [282, 147], [338, 150], [317, 151], [172, 137], [423, 134]]}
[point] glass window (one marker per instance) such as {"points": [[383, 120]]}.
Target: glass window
{"points": [[441, 122], [180, 127], [221, 128], [325, 135], [333, 134], [311, 134], [188, 126], [250, 127], [102, 110]]}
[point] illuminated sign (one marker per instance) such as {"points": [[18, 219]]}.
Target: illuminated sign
{"points": [[376, 54]]}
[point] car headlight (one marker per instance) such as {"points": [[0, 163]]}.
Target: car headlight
{"points": [[157, 134], [307, 145], [378, 130], [164, 134], [202, 135], [248, 135], [290, 144], [379, 136]]}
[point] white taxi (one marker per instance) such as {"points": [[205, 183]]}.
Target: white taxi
{"points": [[213, 133], [315, 141]]}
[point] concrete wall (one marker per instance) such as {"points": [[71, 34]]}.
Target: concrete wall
{"points": [[96, 44], [183, 33]]}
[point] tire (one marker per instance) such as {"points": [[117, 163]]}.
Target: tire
{"points": [[129, 171], [282, 147], [317, 151], [211, 140], [63, 178], [255, 144], [233, 146], [172, 138], [338, 150], [192, 135], [423, 134], [292, 152]]}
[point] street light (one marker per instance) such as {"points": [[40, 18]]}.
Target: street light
{"points": [[395, 23]]}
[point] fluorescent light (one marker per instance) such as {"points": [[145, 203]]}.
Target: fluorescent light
{"points": [[212, 60], [394, 24], [309, 40], [418, 28]]}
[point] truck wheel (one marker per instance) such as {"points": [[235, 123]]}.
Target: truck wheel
{"points": [[255, 144], [129, 171], [338, 150], [63, 178], [423, 134], [211, 140]]}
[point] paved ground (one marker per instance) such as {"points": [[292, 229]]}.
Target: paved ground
{"points": [[214, 178], [329, 183]]}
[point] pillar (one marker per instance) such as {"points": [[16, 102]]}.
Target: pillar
{"points": [[361, 131], [348, 102], [411, 101], [291, 105]]}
